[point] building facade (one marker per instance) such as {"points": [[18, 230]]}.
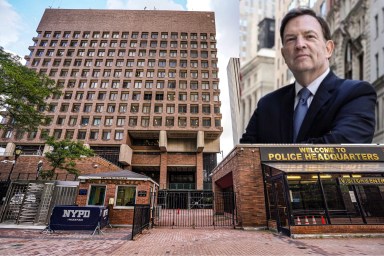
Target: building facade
{"points": [[141, 88], [233, 72]]}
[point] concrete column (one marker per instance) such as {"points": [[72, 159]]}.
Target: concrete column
{"points": [[125, 154], [163, 141], [200, 141], [9, 149]]}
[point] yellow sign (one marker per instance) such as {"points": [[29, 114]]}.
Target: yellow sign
{"points": [[327, 154], [362, 181]]}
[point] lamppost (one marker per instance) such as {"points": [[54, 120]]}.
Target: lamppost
{"points": [[17, 153]]}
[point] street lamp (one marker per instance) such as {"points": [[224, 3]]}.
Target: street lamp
{"points": [[17, 153]]}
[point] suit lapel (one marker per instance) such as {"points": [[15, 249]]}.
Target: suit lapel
{"points": [[323, 94], [287, 107]]}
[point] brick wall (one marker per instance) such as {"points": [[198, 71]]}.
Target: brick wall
{"points": [[327, 229], [117, 216], [26, 167], [244, 164]]}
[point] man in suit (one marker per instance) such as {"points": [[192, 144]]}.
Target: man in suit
{"points": [[333, 110]]}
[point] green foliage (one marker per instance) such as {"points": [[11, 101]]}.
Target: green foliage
{"points": [[22, 93], [63, 156]]}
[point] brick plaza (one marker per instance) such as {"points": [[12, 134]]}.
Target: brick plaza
{"points": [[165, 241]]}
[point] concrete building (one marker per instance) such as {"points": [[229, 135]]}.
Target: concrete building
{"points": [[251, 13], [257, 80], [141, 88], [376, 19], [233, 72]]}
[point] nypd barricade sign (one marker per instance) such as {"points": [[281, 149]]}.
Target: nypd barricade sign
{"points": [[78, 218]]}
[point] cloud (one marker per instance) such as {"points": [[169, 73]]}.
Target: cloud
{"points": [[141, 4], [10, 24]]}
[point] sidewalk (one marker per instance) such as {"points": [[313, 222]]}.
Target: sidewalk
{"points": [[166, 241]]}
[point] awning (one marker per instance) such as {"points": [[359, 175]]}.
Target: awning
{"points": [[328, 167]]}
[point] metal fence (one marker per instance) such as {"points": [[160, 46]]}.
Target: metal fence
{"points": [[141, 218], [195, 209], [32, 201]]}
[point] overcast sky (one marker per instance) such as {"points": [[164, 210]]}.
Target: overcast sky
{"points": [[20, 18]]}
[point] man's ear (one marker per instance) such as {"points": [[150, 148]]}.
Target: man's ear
{"points": [[282, 52], [330, 46]]}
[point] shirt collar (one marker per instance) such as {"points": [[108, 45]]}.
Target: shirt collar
{"points": [[312, 87]]}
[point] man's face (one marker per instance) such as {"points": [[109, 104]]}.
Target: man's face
{"points": [[305, 50]]}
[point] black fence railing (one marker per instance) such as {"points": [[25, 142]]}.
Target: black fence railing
{"points": [[195, 209], [141, 218]]}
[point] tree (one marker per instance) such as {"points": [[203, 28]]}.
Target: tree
{"points": [[23, 94], [64, 155]]}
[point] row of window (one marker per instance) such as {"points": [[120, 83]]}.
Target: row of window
{"points": [[122, 53], [119, 121], [105, 134], [125, 196], [134, 108], [125, 35], [102, 95], [130, 73], [147, 84], [125, 44], [124, 62]]}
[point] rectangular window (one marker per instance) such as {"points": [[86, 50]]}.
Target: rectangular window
{"points": [[97, 195], [125, 196]]}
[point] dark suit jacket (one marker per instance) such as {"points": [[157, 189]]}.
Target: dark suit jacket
{"points": [[340, 112]]}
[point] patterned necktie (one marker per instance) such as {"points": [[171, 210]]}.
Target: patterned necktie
{"points": [[300, 111]]}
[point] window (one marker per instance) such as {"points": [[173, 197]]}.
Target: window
{"points": [[182, 121], [96, 121], [108, 121], [96, 195], [207, 122], [158, 109], [125, 196], [182, 109], [194, 122], [169, 121], [119, 135], [145, 121], [130, 63], [183, 85], [194, 96], [120, 121], [132, 121], [134, 108], [94, 135], [81, 135], [106, 135], [84, 121], [194, 109], [206, 109], [205, 97], [157, 121], [170, 109]]}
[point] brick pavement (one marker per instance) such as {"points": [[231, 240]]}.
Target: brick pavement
{"points": [[166, 241]]}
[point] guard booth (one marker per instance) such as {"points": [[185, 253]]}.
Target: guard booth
{"points": [[306, 189], [120, 191]]}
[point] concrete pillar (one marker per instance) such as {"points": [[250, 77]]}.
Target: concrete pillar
{"points": [[125, 154], [200, 141], [10, 149], [163, 141]]}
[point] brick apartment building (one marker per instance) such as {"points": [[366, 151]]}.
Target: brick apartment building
{"points": [[140, 88]]}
